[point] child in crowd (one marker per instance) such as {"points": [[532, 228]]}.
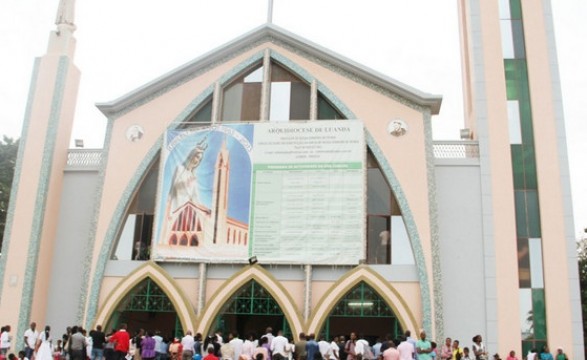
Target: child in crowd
{"points": [[466, 355], [512, 356]]}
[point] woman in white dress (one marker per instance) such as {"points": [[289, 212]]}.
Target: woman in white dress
{"points": [[44, 349]]}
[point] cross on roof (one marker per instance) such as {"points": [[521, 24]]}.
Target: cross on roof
{"points": [[269, 11]]}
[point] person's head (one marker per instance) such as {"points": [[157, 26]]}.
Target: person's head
{"points": [[99, 327], [11, 356], [198, 337], [423, 335], [559, 350], [123, 326], [21, 354], [335, 338], [433, 345], [195, 156], [279, 332], [269, 330], [477, 339], [353, 336], [391, 343], [496, 357], [302, 336], [47, 331], [74, 329], [466, 351], [211, 350], [512, 353], [189, 332], [455, 344], [311, 336], [7, 329], [263, 340], [407, 334], [33, 325], [259, 356], [447, 341], [545, 348]]}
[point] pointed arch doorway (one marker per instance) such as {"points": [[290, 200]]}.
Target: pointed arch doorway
{"points": [[251, 309], [362, 311], [147, 307]]}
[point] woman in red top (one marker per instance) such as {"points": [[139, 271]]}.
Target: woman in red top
{"points": [[121, 341]]}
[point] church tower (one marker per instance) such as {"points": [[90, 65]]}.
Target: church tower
{"points": [[513, 107], [29, 238]]}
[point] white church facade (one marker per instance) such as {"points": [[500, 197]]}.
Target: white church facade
{"points": [[308, 194]]}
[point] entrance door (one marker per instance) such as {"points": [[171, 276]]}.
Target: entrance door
{"points": [[251, 309], [364, 312], [147, 307]]}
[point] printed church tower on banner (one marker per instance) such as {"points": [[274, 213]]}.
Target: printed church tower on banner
{"points": [[219, 226]]}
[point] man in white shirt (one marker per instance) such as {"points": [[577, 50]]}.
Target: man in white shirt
{"points": [[30, 340], [324, 348], [377, 348], [187, 342], [269, 335], [249, 346], [278, 345], [406, 350], [334, 349], [159, 351], [363, 349], [5, 339], [227, 351], [237, 344]]}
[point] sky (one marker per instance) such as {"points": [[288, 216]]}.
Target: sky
{"points": [[122, 45]]}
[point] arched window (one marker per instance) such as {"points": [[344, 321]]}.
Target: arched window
{"points": [[387, 237], [134, 242], [241, 100], [327, 111], [288, 97], [202, 115]]}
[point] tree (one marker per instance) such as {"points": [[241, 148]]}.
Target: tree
{"points": [[8, 151], [582, 256]]}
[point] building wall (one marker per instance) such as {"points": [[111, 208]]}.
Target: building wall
{"points": [[77, 202], [458, 187]]}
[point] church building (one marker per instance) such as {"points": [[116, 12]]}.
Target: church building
{"points": [[273, 182]]}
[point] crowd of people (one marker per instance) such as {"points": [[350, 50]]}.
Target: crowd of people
{"points": [[78, 344]]}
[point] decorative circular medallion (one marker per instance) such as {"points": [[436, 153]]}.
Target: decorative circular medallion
{"points": [[134, 133], [397, 127]]}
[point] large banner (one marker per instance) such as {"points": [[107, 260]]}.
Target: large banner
{"points": [[283, 192]]}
